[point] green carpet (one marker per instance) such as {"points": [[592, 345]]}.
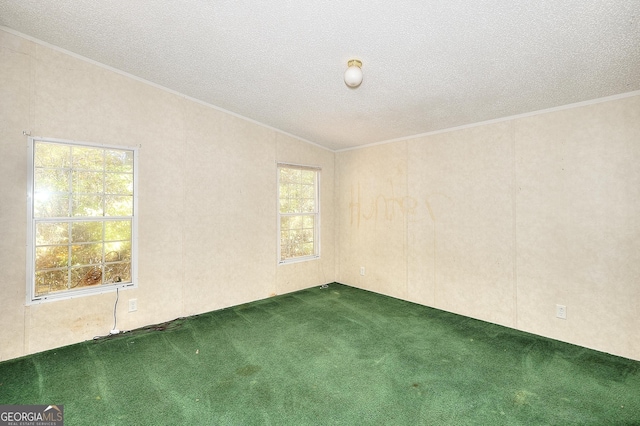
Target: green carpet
{"points": [[335, 356]]}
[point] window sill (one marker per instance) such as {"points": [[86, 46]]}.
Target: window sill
{"points": [[298, 260]]}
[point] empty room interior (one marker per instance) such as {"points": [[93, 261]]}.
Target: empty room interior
{"points": [[356, 204]]}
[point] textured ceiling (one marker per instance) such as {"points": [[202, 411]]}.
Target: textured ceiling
{"points": [[428, 65]]}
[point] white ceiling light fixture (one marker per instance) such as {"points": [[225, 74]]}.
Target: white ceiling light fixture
{"points": [[353, 74]]}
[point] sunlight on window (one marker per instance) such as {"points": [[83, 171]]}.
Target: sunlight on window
{"points": [[299, 213], [83, 217]]}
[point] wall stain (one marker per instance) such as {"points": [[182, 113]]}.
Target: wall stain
{"points": [[387, 207]]}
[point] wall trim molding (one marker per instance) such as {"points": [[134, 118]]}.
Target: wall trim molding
{"points": [[502, 119], [404, 138], [157, 86]]}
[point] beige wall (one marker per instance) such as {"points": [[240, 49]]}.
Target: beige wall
{"points": [[503, 221], [207, 224], [499, 222]]}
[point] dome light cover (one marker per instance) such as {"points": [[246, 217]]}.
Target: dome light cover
{"points": [[353, 74]]}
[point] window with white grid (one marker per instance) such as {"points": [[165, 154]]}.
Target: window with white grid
{"points": [[298, 213], [82, 218]]}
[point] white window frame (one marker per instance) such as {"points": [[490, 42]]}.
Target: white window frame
{"points": [[31, 226], [316, 214]]}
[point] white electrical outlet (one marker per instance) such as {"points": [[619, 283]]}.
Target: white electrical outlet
{"points": [[362, 270], [561, 311], [133, 305]]}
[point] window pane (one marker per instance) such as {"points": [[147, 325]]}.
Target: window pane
{"points": [[50, 281], [295, 222], [307, 249], [86, 276], [83, 232], [116, 205], [289, 175], [290, 205], [302, 199], [87, 158], [308, 177], [88, 182], [118, 273], [117, 251], [307, 205], [118, 160], [307, 235], [119, 183], [284, 205], [86, 254], [308, 222], [49, 257], [293, 190], [283, 191], [117, 230], [48, 233], [51, 180], [52, 155], [307, 191], [87, 205], [285, 245], [50, 205]]}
